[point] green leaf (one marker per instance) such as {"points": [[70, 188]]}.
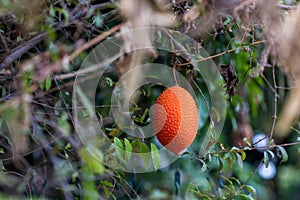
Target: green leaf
{"points": [[227, 21], [248, 142], [52, 11], [107, 183], [48, 83], [108, 81], [98, 20], [88, 184], [239, 160], [42, 85], [266, 159], [65, 14], [106, 191], [91, 161], [221, 165], [155, 157], [271, 153], [142, 151], [204, 166], [251, 190], [243, 154], [236, 180], [144, 114], [283, 153], [119, 149], [128, 149], [271, 142], [242, 197], [68, 146], [229, 157], [63, 124]]}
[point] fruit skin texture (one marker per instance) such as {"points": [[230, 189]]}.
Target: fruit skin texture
{"points": [[175, 119]]}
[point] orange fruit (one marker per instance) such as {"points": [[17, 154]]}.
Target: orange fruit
{"points": [[175, 119]]}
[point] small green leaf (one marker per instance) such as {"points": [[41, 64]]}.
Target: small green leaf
{"points": [[98, 20], [128, 149], [52, 11], [246, 148], [251, 190], [42, 85], [48, 83], [236, 180], [142, 151], [227, 21], [108, 81], [247, 141], [106, 191], [271, 153], [91, 161], [239, 160], [234, 148], [68, 146], [144, 114], [119, 148], [266, 159], [220, 163], [155, 156], [243, 154], [88, 184], [65, 14], [283, 153], [204, 166], [271, 142], [107, 183]]}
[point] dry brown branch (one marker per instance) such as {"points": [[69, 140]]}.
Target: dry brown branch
{"points": [[94, 41], [219, 54]]}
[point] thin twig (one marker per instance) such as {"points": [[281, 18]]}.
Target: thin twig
{"points": [[25, 47], [285, 7], [220, 54], [252, 174], [126, 183], [174, 61], [101, 6], [206, 103], [27, 182], [268, 83], [19, 51], [94, 41], [275, 104]]}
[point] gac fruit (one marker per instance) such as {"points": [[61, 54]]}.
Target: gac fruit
{"points": [[175, 119]]}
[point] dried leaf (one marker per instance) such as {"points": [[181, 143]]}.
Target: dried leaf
{"points": [[231, 79], [17, 114], [209, 13], [288, 53], [141, 14], [42, 65]]}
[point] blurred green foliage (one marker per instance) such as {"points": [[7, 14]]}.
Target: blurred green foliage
{"points": [[57, 166]]}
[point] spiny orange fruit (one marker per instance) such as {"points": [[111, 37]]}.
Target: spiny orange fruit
{"points": [[175, 119]]}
